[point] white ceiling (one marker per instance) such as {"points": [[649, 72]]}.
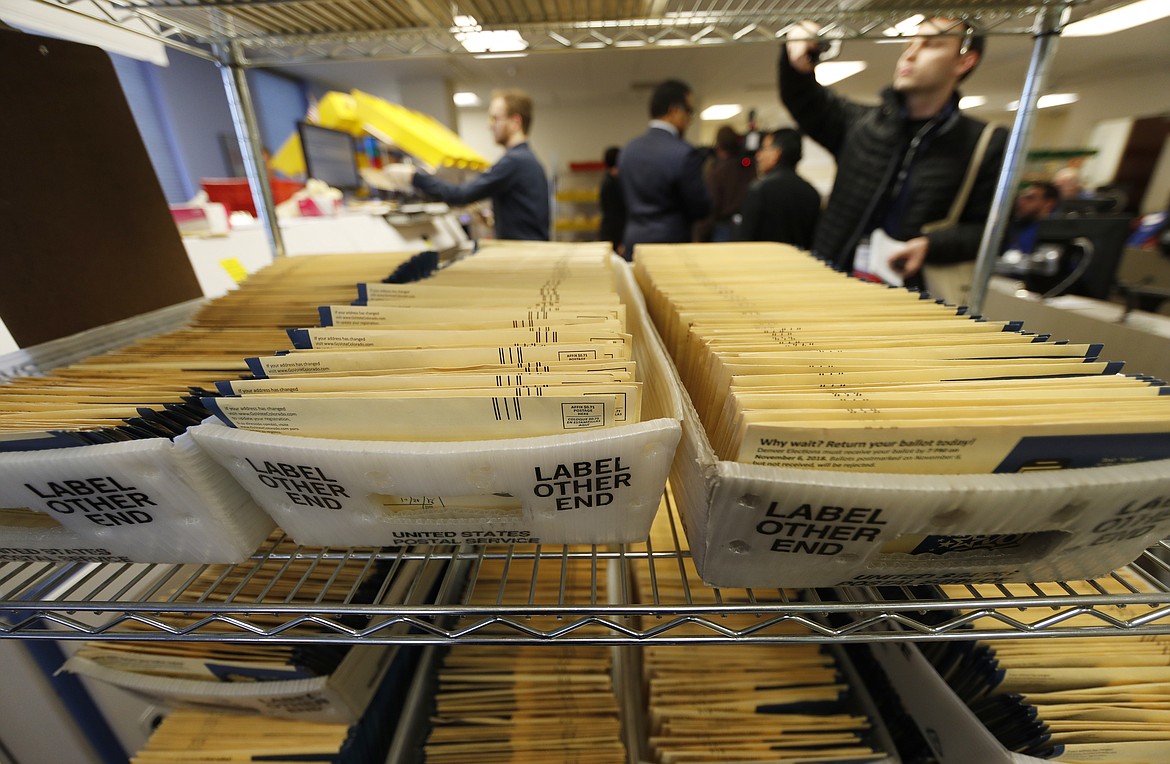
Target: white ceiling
{"points": [[745, 73]]}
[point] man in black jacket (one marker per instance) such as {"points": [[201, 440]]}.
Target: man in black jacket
{"points": [[613, 204], [781, 206], [900, 164]]}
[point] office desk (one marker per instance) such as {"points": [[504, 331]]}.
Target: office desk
{"points": [[1142, 340]]}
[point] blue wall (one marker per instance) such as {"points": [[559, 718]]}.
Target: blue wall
{"points": [[280, 103], [139, 83], [191, 95], [183, 115]]}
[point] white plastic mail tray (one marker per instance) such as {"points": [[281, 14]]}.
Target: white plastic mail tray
{"points": [[52, 543], [752, 526], [341, 696], [151, 500], [590, 488]]}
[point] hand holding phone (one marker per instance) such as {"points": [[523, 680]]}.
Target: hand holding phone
{"points": [[806, 49]]}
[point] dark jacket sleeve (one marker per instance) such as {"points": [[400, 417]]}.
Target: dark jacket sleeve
{"points": [[748, 227], [820, 112], [498, 177], [692, 191], [613, 210], [961, 243]]}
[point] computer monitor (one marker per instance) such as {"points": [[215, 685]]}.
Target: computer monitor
{"points": [[1093, 206], [330, 156], [1100, 239]]}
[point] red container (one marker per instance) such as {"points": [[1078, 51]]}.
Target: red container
{"points": [[235, 194]]}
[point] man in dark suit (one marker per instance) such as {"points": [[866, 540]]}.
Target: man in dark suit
{"points": [[662, 174], [781, 206]]}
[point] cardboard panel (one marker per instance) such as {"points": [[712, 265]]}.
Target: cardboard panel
{"points": [[86, 237]]}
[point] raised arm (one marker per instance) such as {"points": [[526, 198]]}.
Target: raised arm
{"points": [[821, 113]]}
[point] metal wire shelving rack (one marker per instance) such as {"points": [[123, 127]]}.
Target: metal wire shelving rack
{"points": [[134, 602], [656, 597], [274, 32], [241, 34]]}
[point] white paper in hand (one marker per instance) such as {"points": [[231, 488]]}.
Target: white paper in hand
{"points": [[399, 177], [881, 246]]}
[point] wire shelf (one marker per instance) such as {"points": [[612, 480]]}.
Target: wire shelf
{"points": [[276, 32], [624, 594], [292, 594]]}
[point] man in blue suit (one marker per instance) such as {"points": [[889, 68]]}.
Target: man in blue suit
{"points": [[662, 174]]}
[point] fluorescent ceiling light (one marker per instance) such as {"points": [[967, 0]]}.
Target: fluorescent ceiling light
{"points": [[465, 99], [492, 41], [835, 71], [1058, 99], [905, 27], [1125, 17], [476, 39], [487, 56], [972, 102], [1048, 101], [720, 111]]}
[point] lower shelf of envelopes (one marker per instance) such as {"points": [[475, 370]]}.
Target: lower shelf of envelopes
{"points": [[266, 599]]}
